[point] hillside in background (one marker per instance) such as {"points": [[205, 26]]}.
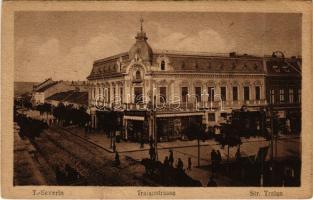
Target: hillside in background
{"points": [[23, 87]]}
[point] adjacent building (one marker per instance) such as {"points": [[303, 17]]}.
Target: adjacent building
{"points": [[73, 97], [47, 88], [283, 90]]}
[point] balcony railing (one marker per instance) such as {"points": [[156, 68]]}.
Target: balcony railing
{"points": [[180, 107]]}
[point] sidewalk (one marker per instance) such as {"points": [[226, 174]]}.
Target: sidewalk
{"points": [[125, 146]]}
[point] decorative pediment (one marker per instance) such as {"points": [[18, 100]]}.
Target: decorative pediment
{"points": [[211, 83], [235, 82], [246, 83], [184, 83], [198, 83], [162, 82], [257, 82], [223, 82]]}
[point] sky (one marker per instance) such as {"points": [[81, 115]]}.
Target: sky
{"points": [[63, 45]]}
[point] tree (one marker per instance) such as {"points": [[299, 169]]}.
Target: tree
{"points": [[229, 137], [195, 131]]}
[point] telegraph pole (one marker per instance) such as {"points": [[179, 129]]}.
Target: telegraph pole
{"points": [[155, 129]]}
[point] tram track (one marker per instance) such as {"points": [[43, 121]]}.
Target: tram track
{"points": [[86, 158]]}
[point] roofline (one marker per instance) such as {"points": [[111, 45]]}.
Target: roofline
{"points": [[110, 57], [203, 54]]}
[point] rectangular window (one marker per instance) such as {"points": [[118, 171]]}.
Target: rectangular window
{"points": [[210, 94], [138, 94], [198, 93], [257, 93], [162, 94], [246, 93], [114, 95], [272, 96], [211, 117], [121, 94], [109, 95], [281, 95], [223, 93], [291, 97], [104, 94], [235, 93], [184, 92]]}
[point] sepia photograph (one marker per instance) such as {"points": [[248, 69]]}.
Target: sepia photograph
{"points": [[182, 99]]}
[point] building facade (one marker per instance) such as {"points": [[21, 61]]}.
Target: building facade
{"points": [[283, 91], [47, 88], [159, 91]]}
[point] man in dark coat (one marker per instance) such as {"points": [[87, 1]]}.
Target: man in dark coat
{"points": [[166, 162], [117, 159], [189, 164], [171, 158], [180, 164], [213, 160]]}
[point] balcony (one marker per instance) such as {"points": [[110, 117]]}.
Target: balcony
{"points": [[181, 107]]}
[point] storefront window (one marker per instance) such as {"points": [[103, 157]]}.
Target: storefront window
{"points": [[211, 117], [291, 97], [282, 95], [272, 96]]}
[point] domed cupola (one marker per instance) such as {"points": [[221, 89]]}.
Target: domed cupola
{"points": [[141, 49]]}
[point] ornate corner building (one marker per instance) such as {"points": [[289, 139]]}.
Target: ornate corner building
{"points": [[157, 92]]}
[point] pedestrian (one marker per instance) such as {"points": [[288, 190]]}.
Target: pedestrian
{"points": [[141, 143], [86, 127], [211, 182], [218, 158], [171, 158], [180, 164], [213, 160], [189, 164], [166, 162], [151, 141], [117, 159], [152, 153], [238, 155]]}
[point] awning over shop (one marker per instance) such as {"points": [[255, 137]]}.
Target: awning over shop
{"points": [[137, 118], [180, 114]]}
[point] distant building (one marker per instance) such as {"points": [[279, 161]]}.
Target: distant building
{"points": [[283, 89], [79, 85], [73, 97], [183, 86], [47, 88]]}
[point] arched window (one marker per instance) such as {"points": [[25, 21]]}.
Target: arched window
{"points": [[162, 65], [138, 75]]}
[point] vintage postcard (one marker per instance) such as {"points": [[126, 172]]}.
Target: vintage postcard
{"points": [[147, 100]]}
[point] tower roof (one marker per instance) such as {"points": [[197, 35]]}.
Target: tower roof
{"points": [[141, 48]]}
